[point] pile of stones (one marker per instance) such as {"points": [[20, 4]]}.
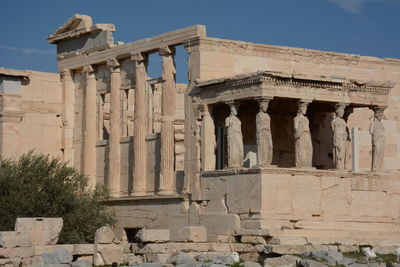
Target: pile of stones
{"points": [[315, 258]]}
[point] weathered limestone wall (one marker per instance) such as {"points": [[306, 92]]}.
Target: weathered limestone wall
{"points": [[31, 117], [219, 58], [318, 207]]}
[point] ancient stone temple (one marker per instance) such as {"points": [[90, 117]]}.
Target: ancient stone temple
{"points": [[294, 144]]}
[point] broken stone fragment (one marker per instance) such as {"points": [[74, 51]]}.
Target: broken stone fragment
{"points": [[57, 256]]}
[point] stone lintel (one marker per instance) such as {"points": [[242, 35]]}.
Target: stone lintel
{"points": [[148, 45]]}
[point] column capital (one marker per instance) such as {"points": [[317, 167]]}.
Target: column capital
{"points": [[113, 64], [341, 105], [166, 51], [378, 108], [204, 110], [304, 101], [138, 57], [88, 69], [65, 74], [262, 99]]}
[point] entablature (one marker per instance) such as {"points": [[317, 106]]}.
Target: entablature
{"points": [[284, 85]]}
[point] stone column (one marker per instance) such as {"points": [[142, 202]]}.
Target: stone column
{"points": [[355, 150], [302, 137], [114, 156], [263, 134], [234, 138], [139, 143], [89, 152], [340, 137], [68, 115], [167, 174], [208, 141], [377, 131]]}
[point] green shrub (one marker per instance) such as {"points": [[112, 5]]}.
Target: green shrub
{"points": [[36, 185]]}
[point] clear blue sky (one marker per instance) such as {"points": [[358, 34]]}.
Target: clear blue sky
{"points": [[366, 27]]}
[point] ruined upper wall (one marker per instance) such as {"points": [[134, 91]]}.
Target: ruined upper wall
{"points": [[218, 58], [79, 34], [80, 43]]}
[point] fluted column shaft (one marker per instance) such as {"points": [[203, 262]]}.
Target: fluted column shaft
{"points": [[167, 128], [207, 140], [114, 161], [68, 115], [139, 145], [89, 153]]}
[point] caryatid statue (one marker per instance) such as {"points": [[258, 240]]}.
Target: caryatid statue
{"points": [[340, 137], [302, 137], [263, 134], [235, 138], [377, 131]]}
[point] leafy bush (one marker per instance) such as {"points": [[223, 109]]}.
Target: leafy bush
{"points": [[36, 185]]}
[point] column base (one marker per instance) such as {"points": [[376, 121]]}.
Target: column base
{"points": [[140, 194], [165, 192]]}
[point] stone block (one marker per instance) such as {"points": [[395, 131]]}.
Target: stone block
{"points": [[285, 260], [110, 253], [348, 248], [194, 233], [22, 252], [239, 247], [248, 239], [250, 264], [81, 263], [162, 258], [40, 231], [219, 224], [57, 256], [83, 249], [384, 249], [35, 261], [244, 194], [333, 258], [39, 250], [288, 240], [10, 239], [153, 235], [218, 247], [10, 262], [105, 235], [181, 258], [284, 249], [131, 258], [98, 259]]}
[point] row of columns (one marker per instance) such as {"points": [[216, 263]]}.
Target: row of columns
{"points": [[167, 174], [302, 137]]}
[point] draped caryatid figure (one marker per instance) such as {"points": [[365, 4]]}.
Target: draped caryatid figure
{"points": [[235, 138], [377, 131], [263, 135], [340, 137], [302, 137]]}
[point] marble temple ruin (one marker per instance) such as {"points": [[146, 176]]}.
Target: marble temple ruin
{"points": [[294, 144]]}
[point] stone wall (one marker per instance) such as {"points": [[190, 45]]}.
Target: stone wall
{"points": [[31, 116]]}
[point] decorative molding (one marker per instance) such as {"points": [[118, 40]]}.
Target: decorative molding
{"points": [[293, 171], [268, 79]]}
